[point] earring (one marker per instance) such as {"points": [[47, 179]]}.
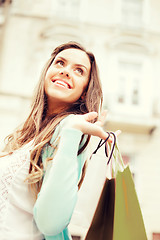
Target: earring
{"points": [[83, 95]]}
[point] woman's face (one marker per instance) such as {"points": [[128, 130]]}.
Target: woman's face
{"points": [[66, 79]]}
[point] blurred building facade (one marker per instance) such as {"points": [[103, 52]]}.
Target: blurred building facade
{"points": [[125, 38]]}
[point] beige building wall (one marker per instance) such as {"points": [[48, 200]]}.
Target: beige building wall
{"points": [[125, 37]]}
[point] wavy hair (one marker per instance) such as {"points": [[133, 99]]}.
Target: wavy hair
{"points": [[40, 128]]}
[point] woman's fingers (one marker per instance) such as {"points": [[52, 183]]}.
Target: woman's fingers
{"points": [[103, 115], [102, 118], [90, 116], [94, 130], [83, 123], [117, 133]]}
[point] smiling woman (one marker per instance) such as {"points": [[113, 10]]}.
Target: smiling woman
{"points": [[66, 79], [46, 159]]}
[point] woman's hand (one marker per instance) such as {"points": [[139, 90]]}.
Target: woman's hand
{"points": [[83, 123]]}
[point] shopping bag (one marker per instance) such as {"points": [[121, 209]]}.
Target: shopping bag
{"points": [[118, 215]]}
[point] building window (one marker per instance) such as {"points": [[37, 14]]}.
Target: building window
{"points": [[135, 92], [129, 83], [121, 90], [4, 7], [4, 1], [132, 13], [156, 236], [67, 9]]}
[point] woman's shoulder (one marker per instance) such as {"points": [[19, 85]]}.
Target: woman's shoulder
{"points": [[62, 125], [54, 141], [65, 120]]}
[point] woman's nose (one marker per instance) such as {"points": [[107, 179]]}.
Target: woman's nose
{"points": [[65, 73]]}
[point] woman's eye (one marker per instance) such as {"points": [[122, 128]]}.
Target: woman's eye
{"points": [[80, 71], [60, 62]]}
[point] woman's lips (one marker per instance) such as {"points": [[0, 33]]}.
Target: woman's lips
{"points": [[61, 83]]}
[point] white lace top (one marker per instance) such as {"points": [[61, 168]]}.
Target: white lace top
{"points": [[16, 202], [19, 213]]}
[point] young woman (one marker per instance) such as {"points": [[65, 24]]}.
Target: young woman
{"points": [[43, 170]]}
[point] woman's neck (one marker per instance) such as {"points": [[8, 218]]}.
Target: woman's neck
{"points": [[54, 110]]}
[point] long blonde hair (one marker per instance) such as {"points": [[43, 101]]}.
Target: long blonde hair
{"points": [[41, 128]]}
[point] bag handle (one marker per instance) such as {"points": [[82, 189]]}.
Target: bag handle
{"points": [[105, 142], [112, 147]]}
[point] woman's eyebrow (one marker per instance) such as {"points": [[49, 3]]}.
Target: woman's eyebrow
{"points": [[61, 58], [81, 65], [76, 64]]}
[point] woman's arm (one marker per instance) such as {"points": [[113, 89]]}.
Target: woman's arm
{"points": [[57, 198]]}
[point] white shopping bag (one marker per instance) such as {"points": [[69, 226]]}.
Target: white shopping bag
{"points": [[89, 193]]}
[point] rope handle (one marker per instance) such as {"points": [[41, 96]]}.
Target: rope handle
{"points": [[102, 142]]}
